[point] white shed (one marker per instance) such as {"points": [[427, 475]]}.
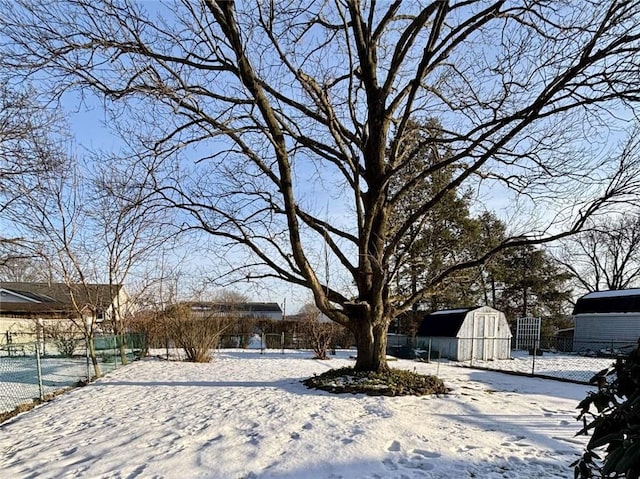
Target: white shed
{"points": [[465, 333], [607, 320]]}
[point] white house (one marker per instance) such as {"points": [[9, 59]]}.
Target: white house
{"points": [[465, 333], [607, 320], [24, 304]]}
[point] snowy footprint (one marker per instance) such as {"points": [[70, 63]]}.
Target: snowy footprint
{"points": [[394, 447], [427, 454]]}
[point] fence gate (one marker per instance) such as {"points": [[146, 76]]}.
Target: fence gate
{"points": [[528, 333]]}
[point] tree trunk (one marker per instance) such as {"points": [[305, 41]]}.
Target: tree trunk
{"points": [[371, 341], [121, 338], [123, 351], [94, 359]]}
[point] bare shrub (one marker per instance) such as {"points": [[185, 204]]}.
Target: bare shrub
{"points": [[65, 335], [152, 326], [321, 335], [197, 334]]}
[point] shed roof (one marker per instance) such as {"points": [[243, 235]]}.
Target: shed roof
{"points": [[445, 323], [613, 301]]}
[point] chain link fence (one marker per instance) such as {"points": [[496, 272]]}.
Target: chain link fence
{"points": [[266, 341], [33, 369], [550, 358]]}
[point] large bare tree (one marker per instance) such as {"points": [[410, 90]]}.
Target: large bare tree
{"points": [[606, 255], [278, 126], [129, 230], [30, 133]]}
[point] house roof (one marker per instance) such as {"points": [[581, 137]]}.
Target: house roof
{"points": [[54, 297], [445, 323], [613, 301], [251, 308]]}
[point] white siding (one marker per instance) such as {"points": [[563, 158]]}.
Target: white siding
{"points": [[273, 315], [396, 340], [598, 331], [15, 325], [484, 334]]}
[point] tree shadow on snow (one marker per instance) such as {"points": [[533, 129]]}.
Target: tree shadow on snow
{"points": [[290, 385]]}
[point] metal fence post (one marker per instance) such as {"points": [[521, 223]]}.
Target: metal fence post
{"points": [[39, 368], [115, 351], [87, 346], [282, 342], [536, 344], [472, 350], [429, 352]]}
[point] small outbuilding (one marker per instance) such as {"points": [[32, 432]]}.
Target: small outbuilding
{"points": [[564, 340], [466, 333], [607, 321]]}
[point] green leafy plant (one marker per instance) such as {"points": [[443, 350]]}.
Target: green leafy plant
{"points": [[393, 382], [612, 416]]}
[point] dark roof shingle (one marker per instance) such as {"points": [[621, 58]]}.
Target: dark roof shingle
{"points": [[56, 297], [444, 324], [614, 301]]}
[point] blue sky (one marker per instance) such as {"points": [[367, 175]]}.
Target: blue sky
{"points": [[88, 120], [88, 123]]}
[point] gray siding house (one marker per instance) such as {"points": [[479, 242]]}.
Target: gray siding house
{"points": [[244, 310], [607, 320], [465, 333]]}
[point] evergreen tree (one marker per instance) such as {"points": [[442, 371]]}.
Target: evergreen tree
{"points": [[442, 238], [529, 283]]}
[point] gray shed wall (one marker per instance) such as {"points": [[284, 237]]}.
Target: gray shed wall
{"points": [[597, 331], [438, 347]]}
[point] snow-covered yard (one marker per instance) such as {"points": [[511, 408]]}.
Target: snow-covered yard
{"points": [[246, 415], [564, 366], [19, 377]]}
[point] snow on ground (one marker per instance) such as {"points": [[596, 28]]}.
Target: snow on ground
{"points": [[247, 415], [19, 377], [564, 366]]}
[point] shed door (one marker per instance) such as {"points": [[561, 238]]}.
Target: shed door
{"points": [[485, 332]]}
